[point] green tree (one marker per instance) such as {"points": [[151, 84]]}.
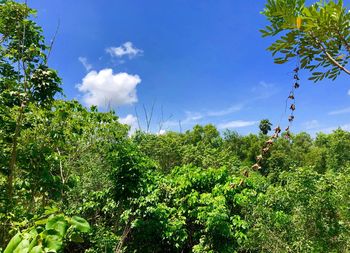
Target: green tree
{"points": [[265, 126], [25, 78], [317, 34]]}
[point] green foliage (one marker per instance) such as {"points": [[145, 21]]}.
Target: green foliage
{"points": [[190, 209], [302, 214], [177, 192], [265, 126], [317, 34], [48, 233]]}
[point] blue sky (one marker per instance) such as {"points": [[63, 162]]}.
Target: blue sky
{"points": [[198, 62]]}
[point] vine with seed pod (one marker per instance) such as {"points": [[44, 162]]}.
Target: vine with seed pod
{"points": [[278, 131]]}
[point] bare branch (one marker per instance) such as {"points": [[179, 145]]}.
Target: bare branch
{"points": [[53, 40]]}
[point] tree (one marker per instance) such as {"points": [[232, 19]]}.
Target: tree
{"points": [[25, 78], [265, 126], [319, 35]]}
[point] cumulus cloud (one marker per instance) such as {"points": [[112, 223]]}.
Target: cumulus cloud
{"points": [[130, 120], [105, 88], [161, 132], [127, 49], [86, 64], [236, 124]]}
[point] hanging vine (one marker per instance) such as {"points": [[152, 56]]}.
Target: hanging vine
{"points": [[291, 104]]}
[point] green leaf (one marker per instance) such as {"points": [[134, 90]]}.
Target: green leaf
{"points": [[37, 249], [76, 238], [53, 242], [80, 224], [13, 243], [22, 247], [57, 223]]}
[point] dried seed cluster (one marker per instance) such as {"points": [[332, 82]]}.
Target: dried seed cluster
{"points": [[277, 131]]}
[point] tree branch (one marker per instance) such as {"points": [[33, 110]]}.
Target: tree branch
{"points": [[329, 56]]}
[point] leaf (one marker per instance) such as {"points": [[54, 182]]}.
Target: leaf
{"points": [[57, 223], [76, 238], [80, 224], [13, 243], [34, 235], [299, 22], [37, 249], [22, 247], [53, 242]]}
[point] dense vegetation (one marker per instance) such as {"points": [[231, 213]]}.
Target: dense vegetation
{"points": [[73, 180]]}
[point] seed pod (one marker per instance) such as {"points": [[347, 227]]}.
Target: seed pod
{"points": [[291, 118], [259, 158], [292, 107], [277, 130], [287, 135], [256, 167], [296, 85], [291, 96], [269, 142], [246, 173], [296, 77], [266, 150]]}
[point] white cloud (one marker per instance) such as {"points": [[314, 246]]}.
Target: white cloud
{"points": [[349, 92], [341, 111], [311, 124], [127, 49], [226, 111], [105, 88], [345, 127], [192, 117], [236, 124], [86, 64], [161, 132], [130, 120]]}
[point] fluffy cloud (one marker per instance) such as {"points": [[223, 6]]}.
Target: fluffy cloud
{"points": [[161, 132], [127, 49], [130, 120], [107, 89], [236, 124], [86, 64]]}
